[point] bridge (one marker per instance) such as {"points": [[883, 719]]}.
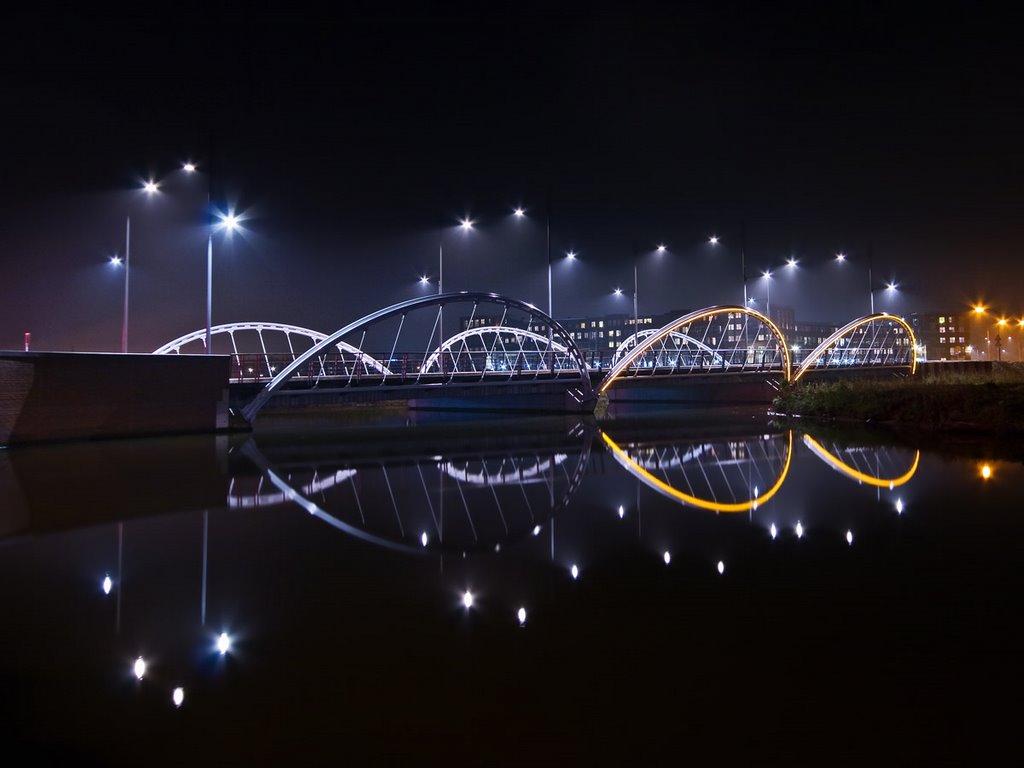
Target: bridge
{"points": [[486, 351]]}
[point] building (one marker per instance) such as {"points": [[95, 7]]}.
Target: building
{"points": [[942, 336]]}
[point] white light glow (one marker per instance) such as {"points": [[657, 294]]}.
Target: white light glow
{"points": [[661, 248], [223, 643], [424, 279], [667, 557], [466, 224], [178, 696], [890, 287], [467, 599], [188, 168], [150, 187], [799, 530], [721, 567], [536, 530], [107, 585], [773, 531], [519, 213], [423, 538], [521, 615], [791, 263], [622, 511], [618, 291], [575, 571], [140, 668], [230, 222], [571, 255], [840, 256], [713, 240], [849, 537], [899, 506]]}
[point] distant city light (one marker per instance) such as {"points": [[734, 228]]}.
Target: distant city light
{"points": [[796, 347], [467, 599], [575, 571], [521, 615], [979, 309], [986, 471], [178, 696], [223, 643], [139, 668], [107, 585], [713, 240]]}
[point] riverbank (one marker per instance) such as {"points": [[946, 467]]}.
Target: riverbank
{"points": [[989, 402]]}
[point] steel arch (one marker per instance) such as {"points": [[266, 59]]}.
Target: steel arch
{"points": [[482, 331], [174, 347], [688, 319], [815, 356], [634, 339], [402, 308]]}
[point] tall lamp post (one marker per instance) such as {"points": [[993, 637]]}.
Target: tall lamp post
{"points": [[229, 222], [150, 188]]}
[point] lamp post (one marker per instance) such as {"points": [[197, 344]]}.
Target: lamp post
{"points": [[150, 187], [767, 275], [229, 222]]}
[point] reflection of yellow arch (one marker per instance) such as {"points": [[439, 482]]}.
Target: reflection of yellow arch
{"points": [[693, 317], [852, 326], [741, 506], [833, 461]]}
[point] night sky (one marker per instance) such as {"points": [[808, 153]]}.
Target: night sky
{"points": [[354, 140]]}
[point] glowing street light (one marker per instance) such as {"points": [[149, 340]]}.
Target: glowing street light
{"points": [[178, 696], [519, 213], [424, 280], [660, 248], [467, 599], [986, 471], [571, 255], [891, 286], [575, 571], [139, 668], [223, 643], [466, 224], [713, 240], [721, 567], [521, 616], [115, 261], [618, 291], [767, 275], [189, 167], [840, 257], [667, 557], [791, 262], [151, 187], [107, 585]]}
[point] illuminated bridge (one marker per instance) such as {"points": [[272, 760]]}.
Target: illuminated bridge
{"points": [[491, 352]]}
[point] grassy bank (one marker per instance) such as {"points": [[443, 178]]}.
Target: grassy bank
{"points": [[992, 402]]}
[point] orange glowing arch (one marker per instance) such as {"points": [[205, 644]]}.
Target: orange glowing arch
{"points": [[853, 325]]}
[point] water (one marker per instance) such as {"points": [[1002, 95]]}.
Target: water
{"points": [[877, 623]]}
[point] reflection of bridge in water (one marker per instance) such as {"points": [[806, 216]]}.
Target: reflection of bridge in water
{"points": [[740, 475], [455, 503], [505, 354]]}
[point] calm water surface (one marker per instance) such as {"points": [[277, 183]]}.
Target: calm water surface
{"points": [[535, 591]]}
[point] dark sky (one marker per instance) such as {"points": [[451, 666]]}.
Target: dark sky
{"points": [[351, 136]]}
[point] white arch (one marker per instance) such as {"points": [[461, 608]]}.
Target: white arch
{"points": [[494, 330], [174, 347], [634, 339], [515, 477]]}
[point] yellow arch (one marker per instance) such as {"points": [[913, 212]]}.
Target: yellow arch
{"points": [[694, 317], [714, 506], [848, 328], [833, 461]]}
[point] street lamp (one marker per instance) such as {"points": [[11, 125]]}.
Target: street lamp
{"points": [[767, 275], [150, 187], [229, 222]]}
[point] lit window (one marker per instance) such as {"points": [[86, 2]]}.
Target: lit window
{"points": [[600, 323]]}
